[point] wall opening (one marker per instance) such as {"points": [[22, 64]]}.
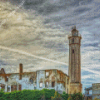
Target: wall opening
{"points": [[53, 84], [73, 40], [41, 84], [73, 51]]}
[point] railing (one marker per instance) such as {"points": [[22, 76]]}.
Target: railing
{"points": [[74, 35]]}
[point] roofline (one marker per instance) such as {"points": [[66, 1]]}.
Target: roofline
{"points": [[40, 70]]}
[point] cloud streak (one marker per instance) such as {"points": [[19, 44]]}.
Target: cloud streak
{"points": [[28, 54], [42, 58]]}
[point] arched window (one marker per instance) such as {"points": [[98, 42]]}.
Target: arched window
{"points": [[73, 40]]}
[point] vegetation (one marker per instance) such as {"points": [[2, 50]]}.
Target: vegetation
{"points": [[44, 94], [96, 99]]}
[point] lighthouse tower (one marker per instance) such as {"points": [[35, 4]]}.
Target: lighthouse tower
{"points": [[74, 70]]}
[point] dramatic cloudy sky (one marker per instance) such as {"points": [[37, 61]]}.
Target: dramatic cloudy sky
{"points": [[35, 33]]}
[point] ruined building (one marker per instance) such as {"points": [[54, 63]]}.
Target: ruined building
{"points": [[49, 78]]}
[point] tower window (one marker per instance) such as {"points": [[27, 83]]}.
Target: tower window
{"points": [[73, 40], [72, 51]]}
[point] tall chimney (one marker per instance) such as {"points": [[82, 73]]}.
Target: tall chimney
{"points": [[20, 68], [20, 71]]}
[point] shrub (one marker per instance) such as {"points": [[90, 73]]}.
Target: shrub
{"points": [[27, 95], [96, 99], [64, 96], [57, 96], [44, 94], [77, 96]]}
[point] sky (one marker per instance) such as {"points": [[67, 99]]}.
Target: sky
{"points": [[35, 33]]}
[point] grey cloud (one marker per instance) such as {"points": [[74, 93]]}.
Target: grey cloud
{"points": [[92, 44], [3, 63], [53, 19], [81, 10]]}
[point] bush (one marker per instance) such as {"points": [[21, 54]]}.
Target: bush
{"points": [[77, 96], [65, 96], [96, 99], [44, 94], [57, 96], [27, 95]]}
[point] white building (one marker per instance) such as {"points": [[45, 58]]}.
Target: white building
{"points": [[50, 79]]}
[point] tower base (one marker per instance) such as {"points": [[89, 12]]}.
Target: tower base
{"points": [[75, 88]]}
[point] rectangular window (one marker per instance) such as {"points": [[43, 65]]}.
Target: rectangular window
{"points": [[53, 84], [72, 51], [41, 84], [67, 81], [73, 40], [2, 86], [46, 84], [34, 88], [20, 87], [13, 87], [64, 84], [8, 88], [31, 80], [47, 74]]}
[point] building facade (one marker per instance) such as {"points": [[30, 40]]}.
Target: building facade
{"points": [[49, 78], [95, 91]]}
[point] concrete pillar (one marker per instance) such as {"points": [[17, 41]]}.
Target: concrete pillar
{"points": [[5, 87], [43, 84], [37, 81], [17, 87], [56, 81], [10, 88], [50, 83]]}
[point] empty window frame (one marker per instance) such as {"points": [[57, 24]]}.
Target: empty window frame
{"points": [[41, 84], [67, 81], [73, 51], [73, 40], [46, 84], [31, 80], [8, 89], [53, 84], [47, 74]]}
